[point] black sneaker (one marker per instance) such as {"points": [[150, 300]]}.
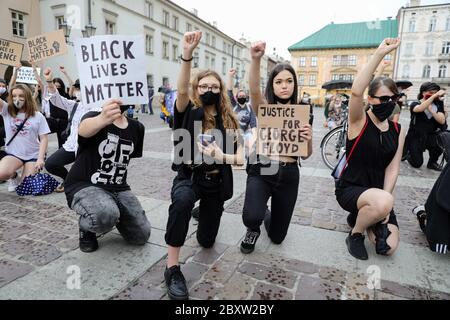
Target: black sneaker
{"points": [[355, 245], [421, 215], [195, 213], [381, 232], [176, 284], [434, 166], [267, 220], [248, 245], [88, 241]]}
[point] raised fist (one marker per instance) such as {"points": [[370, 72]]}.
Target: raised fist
{"points": [[388, 45], [190, 42], [258, 49]]}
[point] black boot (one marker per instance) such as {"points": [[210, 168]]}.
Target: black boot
{"points": [[381, 232], [88, 241], [434, 166], [176, 284]]}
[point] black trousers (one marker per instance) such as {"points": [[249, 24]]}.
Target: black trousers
{"points": [[418, 142], [55, 164], [187, 189], [282, 187], [58, 126]]}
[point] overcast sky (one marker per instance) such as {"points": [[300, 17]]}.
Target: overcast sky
{"points": [[282, 23]]}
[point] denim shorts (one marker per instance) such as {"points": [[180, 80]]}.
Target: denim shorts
{"points": [[23, 161]]}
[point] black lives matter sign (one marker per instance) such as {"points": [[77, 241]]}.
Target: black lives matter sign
{"points": [[279, 130], [112, 67], [47, 45]]}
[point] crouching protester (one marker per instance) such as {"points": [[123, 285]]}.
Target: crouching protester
{"points": [[96, 187], [197, 118]]}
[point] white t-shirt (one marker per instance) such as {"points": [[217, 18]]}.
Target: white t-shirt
{"points": [[26, 144]]}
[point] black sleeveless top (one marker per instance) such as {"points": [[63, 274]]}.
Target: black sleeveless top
{"points": [[372, 155]]}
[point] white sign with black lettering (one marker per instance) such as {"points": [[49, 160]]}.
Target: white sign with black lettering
{"points": [[112, 66], [26, 75]]}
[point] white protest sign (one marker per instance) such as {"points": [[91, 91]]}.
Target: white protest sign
{"points": [[110, 67], [26, 75]]}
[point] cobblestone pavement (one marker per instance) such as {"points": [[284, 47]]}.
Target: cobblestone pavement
{"points": [[39, 244]]}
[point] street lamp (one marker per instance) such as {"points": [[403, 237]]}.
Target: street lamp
{"points": [[89, 31], [66, 29]]}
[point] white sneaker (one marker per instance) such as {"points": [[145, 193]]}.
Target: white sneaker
{"points": [[13, 183]]}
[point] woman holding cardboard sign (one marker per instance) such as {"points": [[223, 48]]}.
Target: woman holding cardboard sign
{"points": [[374, 150], [281, 186], [208, 177]]}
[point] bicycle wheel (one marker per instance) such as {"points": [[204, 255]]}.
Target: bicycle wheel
{"points": [[333, 147]]}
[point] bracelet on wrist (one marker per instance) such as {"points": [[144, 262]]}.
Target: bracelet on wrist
{"points": [[186, 60]]}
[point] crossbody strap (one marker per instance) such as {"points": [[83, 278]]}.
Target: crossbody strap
{"points": [[18, 131], [354, 146]]}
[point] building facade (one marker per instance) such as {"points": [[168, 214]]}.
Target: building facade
{"points": [[163, 24], [19, 20], [338, 52], [424, 54]]}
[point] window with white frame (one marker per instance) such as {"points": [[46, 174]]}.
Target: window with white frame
{"points": [[301, 79], [412, 25], [110, 27], [312, 79], [59, 22], [175, 23], [429, 48], [149, 9], [229, 49], [150, 81], [224, 67], [313, 61], [149, 43], [224, 47], [336, 60], [443, 71], [213, 42], [175, 53], [208, 39], [447, 24], [165, 50], [207, 65], [432, 26], [426, 74], [18, 23], [406, 71], [166, 18], [446, 47], [352, 60], [196, 59], [188, 27], [344, 60], [409, 49], [302, 62], [213, 63]]}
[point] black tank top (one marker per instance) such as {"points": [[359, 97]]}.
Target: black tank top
{"points": [[372, 155]]}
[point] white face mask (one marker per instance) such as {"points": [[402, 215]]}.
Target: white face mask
{"points": [[18, 103], [2, 91]]}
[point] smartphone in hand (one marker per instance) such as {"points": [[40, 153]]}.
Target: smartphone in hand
{"points": [[205, 139]]}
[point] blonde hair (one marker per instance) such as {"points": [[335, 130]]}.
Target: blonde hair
{"points": [[29, 107], [229, 119]]}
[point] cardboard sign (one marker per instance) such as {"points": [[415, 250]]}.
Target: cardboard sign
{"points": [[112, 67], [26, 75], [279, 130], [46, 46], [10, 52]]}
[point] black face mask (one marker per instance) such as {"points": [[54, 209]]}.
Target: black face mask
{"points": [[209, 98], [124, 108], [242, 101], [383, 110]]}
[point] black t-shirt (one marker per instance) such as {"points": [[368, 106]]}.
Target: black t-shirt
{"points": [[103, 159], [424, 120]]}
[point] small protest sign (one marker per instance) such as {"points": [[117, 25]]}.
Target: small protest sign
{"points": [[10, 52], [279, 130], [46, 46], [112, 66], [26, 75]]}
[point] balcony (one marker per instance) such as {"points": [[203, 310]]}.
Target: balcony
{"points": [[444, 57], [444, 81]]}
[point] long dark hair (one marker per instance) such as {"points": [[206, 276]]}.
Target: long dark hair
{"points": [[379, 82], [428, 86], [62, 91], [270, 94]]}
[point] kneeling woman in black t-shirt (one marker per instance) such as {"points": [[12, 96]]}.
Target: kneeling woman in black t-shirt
{"points": [[204, 169], [96, 187]]}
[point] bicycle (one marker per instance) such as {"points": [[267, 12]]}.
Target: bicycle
{"points": [[333, 144]]}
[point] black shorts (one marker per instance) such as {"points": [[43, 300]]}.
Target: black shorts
{"points": [[347, 196]]}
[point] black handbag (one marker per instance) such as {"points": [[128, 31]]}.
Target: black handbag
{"points": [[66, 132]]}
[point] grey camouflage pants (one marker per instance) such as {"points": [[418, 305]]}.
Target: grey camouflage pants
{"points": [[100, 211]]}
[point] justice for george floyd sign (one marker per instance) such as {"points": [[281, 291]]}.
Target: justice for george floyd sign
{"points": [[26, 75], [112, 67], [279, 130], [46, 46], [10, 52]]}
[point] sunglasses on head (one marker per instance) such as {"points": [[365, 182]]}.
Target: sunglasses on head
{"points": [[385, 99]]}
